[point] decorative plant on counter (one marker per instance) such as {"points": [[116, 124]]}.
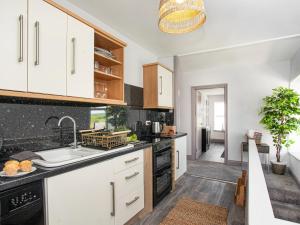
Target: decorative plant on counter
{"points": [[281, 113], [117, 117]]}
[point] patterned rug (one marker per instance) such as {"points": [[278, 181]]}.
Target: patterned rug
{"points": [[190, 212]]}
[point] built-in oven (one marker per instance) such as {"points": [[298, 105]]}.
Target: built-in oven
{"points": [[162, 175], [22, 205]]}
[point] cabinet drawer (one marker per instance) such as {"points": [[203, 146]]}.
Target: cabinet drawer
{"points": [[129, 180], [129, 205], [127, 161]]}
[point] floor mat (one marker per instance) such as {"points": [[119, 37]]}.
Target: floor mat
{"points": [[190, 212]]}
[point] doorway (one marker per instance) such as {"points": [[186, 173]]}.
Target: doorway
{"points": [[209, 123]]}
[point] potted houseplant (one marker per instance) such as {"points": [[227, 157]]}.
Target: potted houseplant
{"points": [[280, 115]]}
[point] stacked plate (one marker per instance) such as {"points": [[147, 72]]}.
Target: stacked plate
{"points": [[104, 52]]}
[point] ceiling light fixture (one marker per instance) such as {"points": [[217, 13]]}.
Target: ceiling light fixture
{"points": [[181, 16]]}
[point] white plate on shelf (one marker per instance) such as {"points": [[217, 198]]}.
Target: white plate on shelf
{"points": [[19, 174]]}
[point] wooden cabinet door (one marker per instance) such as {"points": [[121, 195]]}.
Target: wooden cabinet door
{"points": [[165, 87], [83, 196], [47, 43], [13, 45], [180, 157], [80, 59]]}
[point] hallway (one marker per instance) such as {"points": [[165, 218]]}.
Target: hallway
{"points": [[215, 153]]}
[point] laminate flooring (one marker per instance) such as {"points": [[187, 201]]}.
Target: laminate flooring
{"points": [[203, 190], [213, 154], [214, 170]]}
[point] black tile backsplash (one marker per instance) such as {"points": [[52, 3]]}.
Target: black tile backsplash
{"points": [[134, 96], [27, 120], [32, 125]]}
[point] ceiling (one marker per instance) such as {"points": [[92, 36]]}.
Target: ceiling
{"points": [[229, 23], [259, 53]]}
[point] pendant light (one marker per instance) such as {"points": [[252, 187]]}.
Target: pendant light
{"points": [[181, 16]]}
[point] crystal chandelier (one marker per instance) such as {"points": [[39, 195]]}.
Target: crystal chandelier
{"points": [[181, 16]]}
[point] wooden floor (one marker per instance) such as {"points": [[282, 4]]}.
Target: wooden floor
{"points": [[219, 171], [203, 190], [213, 154]]}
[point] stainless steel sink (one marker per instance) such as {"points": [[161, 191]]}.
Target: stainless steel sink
{"points": [[64, 156]]}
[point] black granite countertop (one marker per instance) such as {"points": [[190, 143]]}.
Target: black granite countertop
{"points": [[154, 139], [42, 172]]}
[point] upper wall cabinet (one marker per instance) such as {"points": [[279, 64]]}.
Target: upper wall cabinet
{"points": [[80, 59], [47, 52], [13, 45], [158, 86], [47, 44]]}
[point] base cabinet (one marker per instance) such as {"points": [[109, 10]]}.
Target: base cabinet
{"points": [[100, 194], [83, 196], [180, 156]]}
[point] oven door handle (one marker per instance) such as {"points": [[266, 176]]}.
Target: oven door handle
{"points": [[162, 152]]}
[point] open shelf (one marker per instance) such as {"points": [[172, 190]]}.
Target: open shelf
{"points": [[110, 86], [106, 42], [105, 61], [105, 76]]}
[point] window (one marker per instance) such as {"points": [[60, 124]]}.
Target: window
{"points": [[219, 116], [98, 118]]}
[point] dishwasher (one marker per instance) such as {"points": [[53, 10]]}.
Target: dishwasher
{"points": [[22, 205]]}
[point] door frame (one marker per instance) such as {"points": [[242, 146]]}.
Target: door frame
{"points": [[194, 90]]}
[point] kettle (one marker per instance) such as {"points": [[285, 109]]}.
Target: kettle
{"points": [[156, 128]]}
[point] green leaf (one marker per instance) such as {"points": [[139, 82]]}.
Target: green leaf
{"points": [[281, 115]]}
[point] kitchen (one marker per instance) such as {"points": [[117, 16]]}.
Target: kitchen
{"points": [[147, 112], [58, 68]]}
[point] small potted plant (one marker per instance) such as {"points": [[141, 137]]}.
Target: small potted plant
{"points": [[280, 115]]}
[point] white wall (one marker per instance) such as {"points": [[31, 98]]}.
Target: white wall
{"points": [[135, 55], [247, 85], [167, 61], [295, 84], [295, 66], [215, 135], [202, 110]]}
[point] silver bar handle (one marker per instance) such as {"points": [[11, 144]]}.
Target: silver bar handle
{"points": [[132, 176], [161, 85], [73, 71], [37, 43], [131, 160], [21, 22], [133, 201], [113, 213], [177, 159]]}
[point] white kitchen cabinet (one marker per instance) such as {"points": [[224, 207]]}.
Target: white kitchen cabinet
{"points": [[158, 86], [180, 156], [129, 192], [100, 194], [80, 59], [83, 196], [165, 87], [128, 206], [47, 44], [13, 45]]}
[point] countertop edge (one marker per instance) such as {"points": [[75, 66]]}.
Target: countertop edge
{"points": [[42, 173]]}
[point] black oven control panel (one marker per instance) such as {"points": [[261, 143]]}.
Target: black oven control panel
{"points": [[22, 198], [19, 198]]}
